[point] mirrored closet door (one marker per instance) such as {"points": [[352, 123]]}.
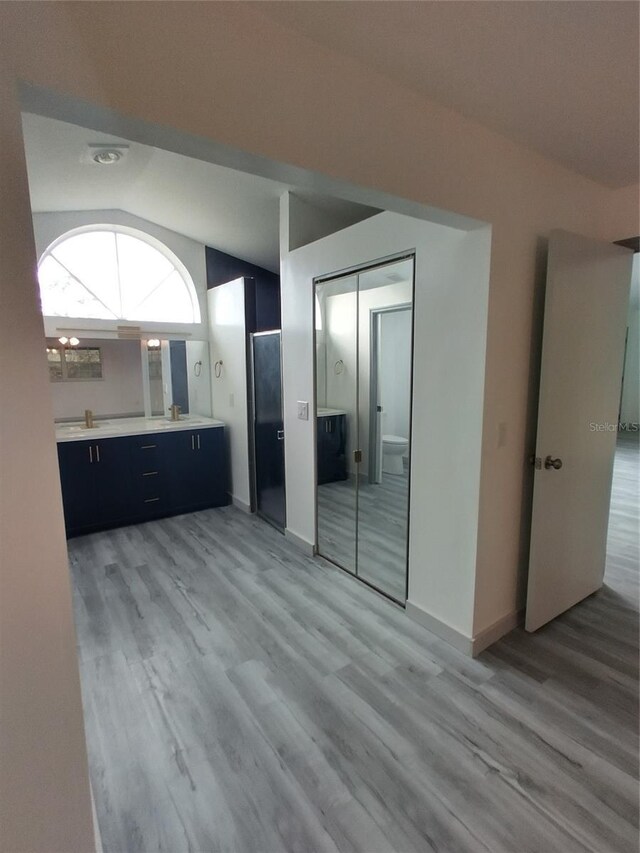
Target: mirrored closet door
{"points": [[363, 343]]}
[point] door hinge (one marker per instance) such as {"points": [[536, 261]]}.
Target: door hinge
{"points": [[357, 456]]}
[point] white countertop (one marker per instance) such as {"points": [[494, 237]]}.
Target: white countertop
{"points": [[327, 413], [120, 427]]}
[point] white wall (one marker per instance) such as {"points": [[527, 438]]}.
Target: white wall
{"points": [[394, 370], [452, 273], [310, 222], [338, 343], [227, 343], [630, 408], [45, 804], [49, 226], [119, 392], [199, 385]]}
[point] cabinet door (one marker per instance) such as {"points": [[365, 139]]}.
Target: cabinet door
{"points": [[198, 475], [331, 449], [210, 475], [181, 451], [112, 471], [78, 481]]}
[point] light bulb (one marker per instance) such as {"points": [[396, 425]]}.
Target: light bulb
{"points": [[73, 342], [63, 340]]}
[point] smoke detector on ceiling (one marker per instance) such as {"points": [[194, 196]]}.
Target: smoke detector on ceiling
{"points": [[105, 154]]}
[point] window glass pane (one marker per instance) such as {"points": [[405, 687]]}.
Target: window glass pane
{"points": [[105, 274], [83, 363], [62, 296], [55, 363], [92, 259], [142, 267], [168, 303]]}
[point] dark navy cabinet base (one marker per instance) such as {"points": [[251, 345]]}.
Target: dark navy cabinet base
{"points": [[116, 481], [331, 448]]}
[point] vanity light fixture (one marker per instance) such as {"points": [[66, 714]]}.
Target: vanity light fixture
{"points": [[153, 343], [72, 342]]}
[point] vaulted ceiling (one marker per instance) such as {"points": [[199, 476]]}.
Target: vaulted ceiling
{"points": [[233, 211], [559, 77]]}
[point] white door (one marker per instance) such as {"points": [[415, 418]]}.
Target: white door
{"points": [[582, 352]]}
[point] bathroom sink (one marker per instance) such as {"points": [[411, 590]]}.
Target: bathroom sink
{"points": [[99, 426]]}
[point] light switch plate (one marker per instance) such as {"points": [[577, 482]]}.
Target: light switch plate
{"points": [[303, 411]]}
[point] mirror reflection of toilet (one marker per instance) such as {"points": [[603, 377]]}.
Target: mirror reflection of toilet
{"points": [[394, 447]]}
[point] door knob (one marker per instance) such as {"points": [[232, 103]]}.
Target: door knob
{"points": [[550, 462]]}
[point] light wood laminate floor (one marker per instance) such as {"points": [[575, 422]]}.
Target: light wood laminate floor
{"points": [[379, 555], [242, 697]]}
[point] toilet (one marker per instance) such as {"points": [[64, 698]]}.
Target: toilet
{"points": [[394, 447]]}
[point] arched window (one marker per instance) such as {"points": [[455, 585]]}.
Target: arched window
{"points": [[111, 273]]}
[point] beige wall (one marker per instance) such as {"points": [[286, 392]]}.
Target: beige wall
{"points": [[221, 71], [44, 790]]}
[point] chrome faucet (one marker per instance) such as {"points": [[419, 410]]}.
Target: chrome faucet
{"points": [[88, 419], [175, 412]]}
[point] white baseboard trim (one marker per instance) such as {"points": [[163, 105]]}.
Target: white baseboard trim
{"points": [[488, 636], [441, 629], [245, 507], [299, 542], [471, 646]]}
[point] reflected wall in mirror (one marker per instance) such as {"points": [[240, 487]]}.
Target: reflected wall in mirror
{"points": [[127, 378], [176, 372], [154, 362], [337, 418], [363, 331]]}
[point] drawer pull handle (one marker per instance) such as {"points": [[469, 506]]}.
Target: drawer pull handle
{"points": [[151, 500], [97, 452], [149, 473], [147, 446]]}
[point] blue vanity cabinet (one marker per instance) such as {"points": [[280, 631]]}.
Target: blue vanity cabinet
{"points": [[331, 448], [116, 481], [95, 483], [198, 476]]}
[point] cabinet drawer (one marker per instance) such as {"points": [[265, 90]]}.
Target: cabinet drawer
{"points": [[151, 484], [148, 453], [151, 506]]}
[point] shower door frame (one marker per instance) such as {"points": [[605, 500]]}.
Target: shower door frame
{"points": [[409, 254]]}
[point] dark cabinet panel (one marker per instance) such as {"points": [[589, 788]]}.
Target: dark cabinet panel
{"points": [[198, 472], [78, 481], [95, 482], [332, 448], [111, 470]]}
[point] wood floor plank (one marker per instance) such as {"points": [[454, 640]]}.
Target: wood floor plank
{"points": [[241, 696]]}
